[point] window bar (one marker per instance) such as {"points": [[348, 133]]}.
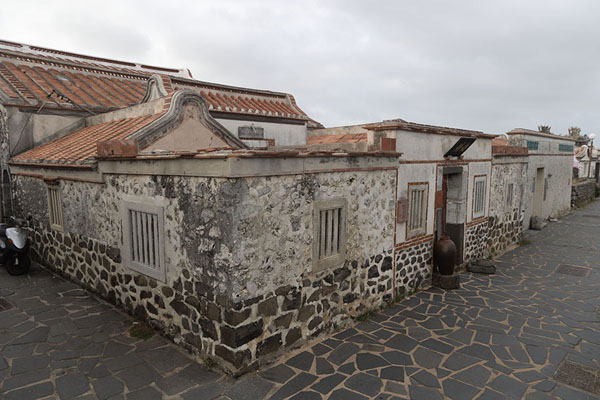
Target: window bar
{"points": [[322, 234], [134, 237], [329, 244], [334, 242], [138, 218], [145, 236], [151, 236], [156, 243]]}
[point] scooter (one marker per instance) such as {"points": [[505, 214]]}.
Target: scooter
{"points": [[14, 247]]}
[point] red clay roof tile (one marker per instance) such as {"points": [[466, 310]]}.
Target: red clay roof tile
{"points": [[79, 147]]}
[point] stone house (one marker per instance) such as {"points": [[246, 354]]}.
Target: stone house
{"points": [[588, 162], [225, 216], [437, 193], [508, 198], [549, 173]]}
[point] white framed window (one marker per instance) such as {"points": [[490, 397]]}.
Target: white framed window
{"points": [[143, 239], [510, 189], [329, 233], [417, 209], [55, 212], [479, 191]]}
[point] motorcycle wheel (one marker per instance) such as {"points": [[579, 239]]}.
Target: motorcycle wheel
{"points": [[18, 263]]}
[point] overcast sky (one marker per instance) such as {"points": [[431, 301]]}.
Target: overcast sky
{"points": [[484, 65]]}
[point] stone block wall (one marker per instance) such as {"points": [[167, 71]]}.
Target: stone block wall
{"points": [[582, 193], [414, 267], [240, 285], [506, 221], [476, 240]]}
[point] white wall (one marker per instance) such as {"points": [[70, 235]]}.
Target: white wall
{"points": [[284, 134]]}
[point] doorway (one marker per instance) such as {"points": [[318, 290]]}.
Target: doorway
{"points": [[451, 208], [538, 194]]}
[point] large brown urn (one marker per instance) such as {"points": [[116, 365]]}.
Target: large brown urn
{"points": [[444, 255]]}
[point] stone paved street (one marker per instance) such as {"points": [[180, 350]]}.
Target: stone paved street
{"points": [[530, 331]]}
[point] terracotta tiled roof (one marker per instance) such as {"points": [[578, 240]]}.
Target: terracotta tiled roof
{"points": [[79, 147], [523, 131], [423, 128], [347, 138], [29, 73]]}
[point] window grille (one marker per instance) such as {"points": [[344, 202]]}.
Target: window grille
{"points": [[532, 145], [565, 147], [144, 239], [417, 209], [479, 197], [55, 214], [330, 233]]}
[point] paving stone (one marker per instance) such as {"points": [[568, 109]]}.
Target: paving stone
{"points": [[116, 349], [510, 387], [323, 367], [119, 363], [30, 392], [165, 359], [397, 357], [107, 387], [402, 343], [280, 373], [25, 379], [296, 384], [545, 386], [253, 388], [138, 377], [364, 383], [37, 335], [326, 384], [395, 388], [347, 369], [427, 358], [342, 353], [366, 361], [302, 361], [529, 376], [478, 351], [457, 361], [489, 394], [426, 379], [26, 364], [71, 385], [476, 376], [212, 391], [149, 393], [174, 384], [457, 390], [320, 349], [307, 395], [199, 374], [343, 394], [420, 392]]}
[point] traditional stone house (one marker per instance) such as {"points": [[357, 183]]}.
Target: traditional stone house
{"points": [[549, 173], [587, 157], [148, 189], [508, 198], [437, 192]]}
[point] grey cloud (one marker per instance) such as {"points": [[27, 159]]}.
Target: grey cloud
{"points": [[486, 65]]}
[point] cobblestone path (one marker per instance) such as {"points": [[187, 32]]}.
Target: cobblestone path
{"points": [[531, 331]]}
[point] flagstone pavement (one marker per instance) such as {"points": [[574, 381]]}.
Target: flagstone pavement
{"points": [[530, 331]]}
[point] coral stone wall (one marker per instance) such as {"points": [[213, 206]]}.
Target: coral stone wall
{"points": [[240, 284], [582, 193], [414, 267], [506, 215], [476, 239]]}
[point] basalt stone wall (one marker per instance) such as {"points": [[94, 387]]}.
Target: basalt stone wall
{"points": [[413, 268], [506, 213], [582, 193], [240, 285], [476, 239]]}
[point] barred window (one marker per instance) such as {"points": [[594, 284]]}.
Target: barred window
{"points": [[417, 209], [55, 213], [479, 196], [144, 239], [329, 244]]}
